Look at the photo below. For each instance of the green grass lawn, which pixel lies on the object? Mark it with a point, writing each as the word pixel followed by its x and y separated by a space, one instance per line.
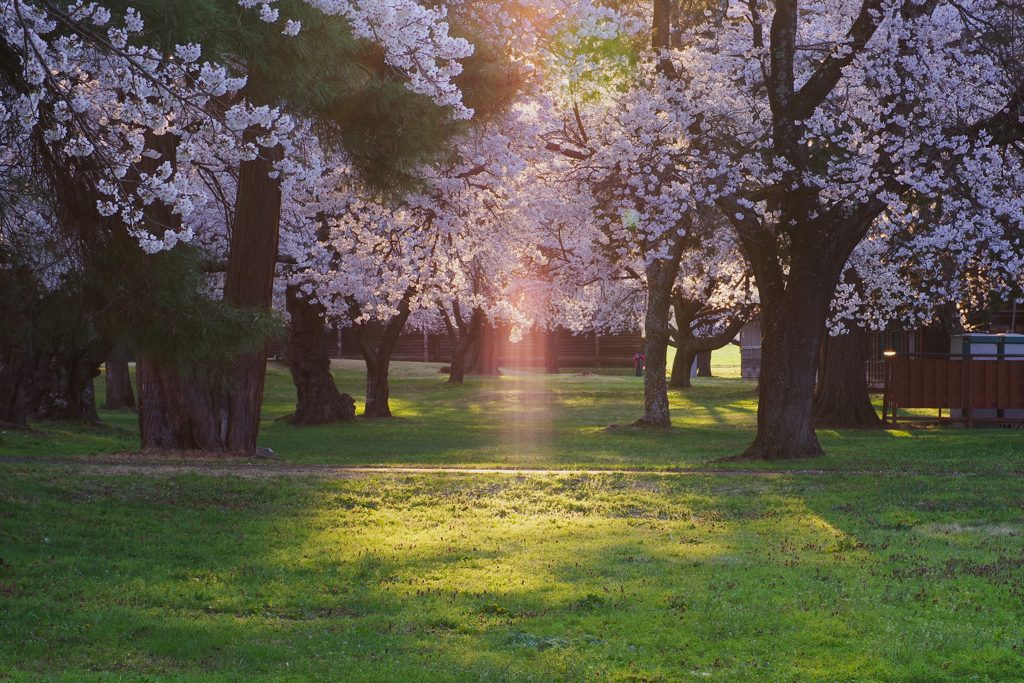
pixel 533 420
pixel 902 561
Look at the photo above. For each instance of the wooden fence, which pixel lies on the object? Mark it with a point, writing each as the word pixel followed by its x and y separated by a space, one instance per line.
pixel 970 389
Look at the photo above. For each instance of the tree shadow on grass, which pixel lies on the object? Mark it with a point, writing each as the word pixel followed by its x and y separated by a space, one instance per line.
pixel 426 577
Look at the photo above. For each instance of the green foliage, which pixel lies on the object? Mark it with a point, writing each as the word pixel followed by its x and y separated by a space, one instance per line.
pixel 591 68
pixel 162 305
pixel 357 102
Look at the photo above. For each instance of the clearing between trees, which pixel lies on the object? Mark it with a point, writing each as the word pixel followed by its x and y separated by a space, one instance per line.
pixel 158 572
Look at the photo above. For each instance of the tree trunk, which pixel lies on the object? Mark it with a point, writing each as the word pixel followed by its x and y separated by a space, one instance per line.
pixel 789 360
pixel 551 361
pixel 457 374
pixel 842 400
pixel 377 389
pixel 661 278
pixel 17 367
pixel 656 350
pixel 690 347
pixel 704 364
pixel 63 387
pixel 250 283
pixel 319 400
pixel 118 379
pixel 378 357
pixel 179 411
pixel 681 369
pixel 486 361
pixel 462 337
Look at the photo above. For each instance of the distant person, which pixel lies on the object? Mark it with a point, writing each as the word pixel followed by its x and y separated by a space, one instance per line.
pixel 638 363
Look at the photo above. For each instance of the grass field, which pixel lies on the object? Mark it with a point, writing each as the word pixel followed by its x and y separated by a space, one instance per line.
pixel 900 558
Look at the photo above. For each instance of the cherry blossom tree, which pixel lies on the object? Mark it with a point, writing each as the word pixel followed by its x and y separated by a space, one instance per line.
pixel 712 299
pixel 803 123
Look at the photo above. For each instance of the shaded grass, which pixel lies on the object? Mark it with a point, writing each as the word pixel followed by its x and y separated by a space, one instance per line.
pixel 119 573
pixel 533 420
pixel 509 578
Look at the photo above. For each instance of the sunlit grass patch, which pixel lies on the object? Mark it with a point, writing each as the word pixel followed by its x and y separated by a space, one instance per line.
pixel 552 577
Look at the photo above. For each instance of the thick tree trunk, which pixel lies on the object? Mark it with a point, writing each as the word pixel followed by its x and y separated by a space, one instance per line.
pixel 704 364
pixel 17 368
pixel 842 400
pixel 793 317
pixel 378 390
pixel 681 366
pixel 789 360
pixel 118 379
pixel 378 357
pixel 63 387
pixel 178 411
pixel 486 357
pixel 319 400
pixel 250 283
pixel 457 374
pixel 656 350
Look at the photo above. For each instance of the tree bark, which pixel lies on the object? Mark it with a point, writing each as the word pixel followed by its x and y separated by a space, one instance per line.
pixel 704 364
pixel 794 309
pixel 457 373
pixel 17 367
pixel 378 357
pixel 681 369
pixel 661 278
pixel 789 359
pixel 252 263
pixel 63 386
pixel 318 398
pixel 842 400
pixel 656 349
pixel 462 337
pixel 118 379
pixel 482 356
pixel 179 411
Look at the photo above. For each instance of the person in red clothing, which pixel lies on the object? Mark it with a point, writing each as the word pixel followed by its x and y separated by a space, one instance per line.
pixel 638 363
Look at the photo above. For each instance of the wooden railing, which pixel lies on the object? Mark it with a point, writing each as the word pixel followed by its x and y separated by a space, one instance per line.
pixel 958 383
